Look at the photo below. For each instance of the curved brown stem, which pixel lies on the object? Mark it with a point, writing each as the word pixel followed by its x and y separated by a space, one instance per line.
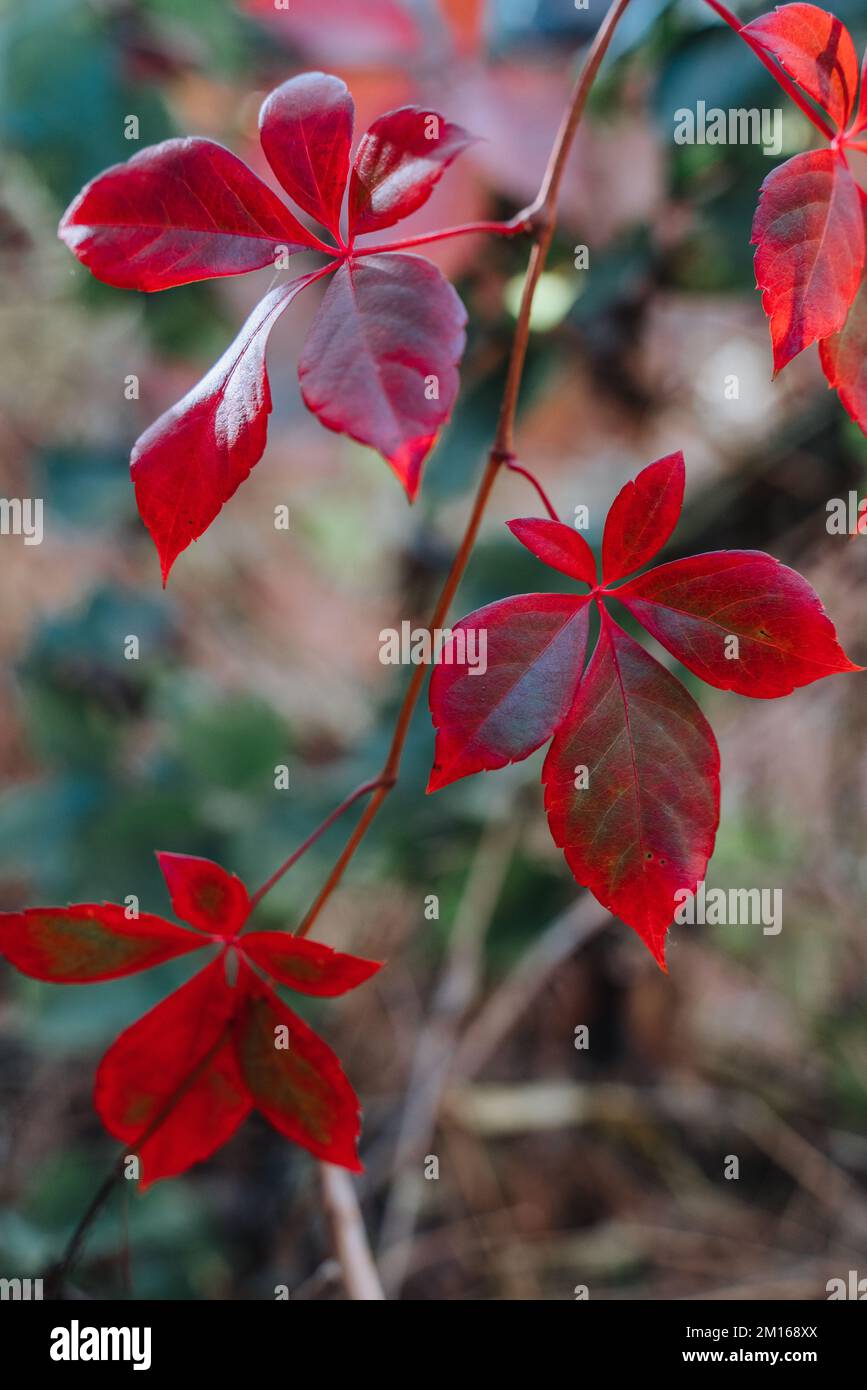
pixel 329 820
pixel 515 227
pixel 55 1277
pixel 514 467
pixel 539 219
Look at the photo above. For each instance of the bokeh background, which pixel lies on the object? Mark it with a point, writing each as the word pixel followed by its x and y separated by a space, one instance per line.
pixel 557 1167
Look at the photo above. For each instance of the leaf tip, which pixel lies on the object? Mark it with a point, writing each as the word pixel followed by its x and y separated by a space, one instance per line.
pixel 656 946
pixel 167 556
pixel 436 781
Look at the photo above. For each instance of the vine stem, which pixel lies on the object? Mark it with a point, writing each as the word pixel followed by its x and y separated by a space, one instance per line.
pixel 56 1275
pixel 515 227
pixel 538 218
pixel 774 69
pixel 515 467
pixel 329 820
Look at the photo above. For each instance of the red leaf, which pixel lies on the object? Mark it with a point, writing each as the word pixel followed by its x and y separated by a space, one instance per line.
pixel 195 456
pixel 861 118
pixel 398 164
pixel 844 360
pixel 844 355
pixel 181 211
pixel 301 1087
pixel 178 1083
pixel 203 894
pixel 380 360
pixel 642 517
pixel 307 966
pixel 557 545
pixel 632 775
pixel 306 131
pixel 784 638
pixel 809 238
pixel 535 651
pixel 170 1086
pixel 644 827
pixel 815 49
pixel 89 942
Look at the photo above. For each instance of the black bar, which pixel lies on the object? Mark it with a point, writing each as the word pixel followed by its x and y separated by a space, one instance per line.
pixel 254 1337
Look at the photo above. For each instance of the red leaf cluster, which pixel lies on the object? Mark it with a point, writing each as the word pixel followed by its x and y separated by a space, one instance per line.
pixel 177 1084
pixel 380 361
pixel 809 228
pixel 632 774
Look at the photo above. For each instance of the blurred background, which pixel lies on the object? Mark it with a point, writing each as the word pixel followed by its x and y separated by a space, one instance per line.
pixel 558 1167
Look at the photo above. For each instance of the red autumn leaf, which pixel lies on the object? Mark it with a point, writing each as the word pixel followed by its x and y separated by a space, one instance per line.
pixel 557 545
pixel 203 894
pixel 488 718
pixel 306 131
pixel 642 517
pixel 181 211
pixel 695 607
pixel 170 1087
pixel 398 164
pixel 632 775
pixel 808 229
pixel 195 456
pixel 644 824
pixel 178 1083
pixel 294 1078
pixel 88 942
pixel 844 354
pixel 380 360
pixel 844 360
pixel 809 237
pixel 308 966
pixel 815 49
pixel 861 116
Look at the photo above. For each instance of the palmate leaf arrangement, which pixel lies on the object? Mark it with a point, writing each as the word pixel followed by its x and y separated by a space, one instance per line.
pixel 631 777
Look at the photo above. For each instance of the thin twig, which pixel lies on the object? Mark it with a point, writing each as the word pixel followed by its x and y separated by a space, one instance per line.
pixel 55 1277
pixel 454 994
pixel 329 820
pixel 514 467
pixel 58 1272
pixel 513 228
pixel 349 1238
